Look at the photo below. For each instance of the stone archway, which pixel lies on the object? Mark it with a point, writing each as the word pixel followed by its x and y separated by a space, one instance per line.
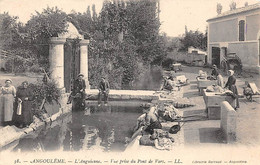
pixel 56 55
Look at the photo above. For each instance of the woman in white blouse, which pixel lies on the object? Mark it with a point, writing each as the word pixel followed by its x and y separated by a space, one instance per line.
pixel 8 93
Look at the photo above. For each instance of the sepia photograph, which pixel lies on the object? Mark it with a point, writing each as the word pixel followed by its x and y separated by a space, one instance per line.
pixel 117 82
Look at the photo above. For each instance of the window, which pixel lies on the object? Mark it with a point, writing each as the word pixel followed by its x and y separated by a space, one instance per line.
pixel 241 30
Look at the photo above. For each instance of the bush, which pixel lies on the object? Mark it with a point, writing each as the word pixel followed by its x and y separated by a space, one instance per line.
pixel 20 60
pixel 149 78
pixel 166 64
pixel 35 68
pixel 16 65
pixel 41 90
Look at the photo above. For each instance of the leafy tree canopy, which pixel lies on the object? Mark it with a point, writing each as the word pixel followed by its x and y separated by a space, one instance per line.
pixel 193 38
pixel 124 37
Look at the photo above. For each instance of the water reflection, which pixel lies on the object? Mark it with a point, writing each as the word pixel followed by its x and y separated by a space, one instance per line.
pixel 95 128
pixel 49 139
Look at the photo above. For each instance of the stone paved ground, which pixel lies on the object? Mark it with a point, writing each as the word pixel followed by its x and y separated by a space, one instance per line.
pixel 206 132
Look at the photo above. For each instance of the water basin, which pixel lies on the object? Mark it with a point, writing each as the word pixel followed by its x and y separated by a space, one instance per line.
pixel 103 128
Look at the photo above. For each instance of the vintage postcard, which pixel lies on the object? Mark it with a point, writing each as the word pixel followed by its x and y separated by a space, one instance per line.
pixel 121 82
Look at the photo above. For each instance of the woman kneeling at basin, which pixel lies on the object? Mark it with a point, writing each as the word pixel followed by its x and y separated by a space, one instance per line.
pixel 151 120
pixel 23 106
pixel 147 122
pixel 168 83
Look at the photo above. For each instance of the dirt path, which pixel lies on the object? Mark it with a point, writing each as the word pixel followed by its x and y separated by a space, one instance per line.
pixel 17 79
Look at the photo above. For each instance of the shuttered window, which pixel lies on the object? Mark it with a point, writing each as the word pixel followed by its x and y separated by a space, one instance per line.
pixel 241 30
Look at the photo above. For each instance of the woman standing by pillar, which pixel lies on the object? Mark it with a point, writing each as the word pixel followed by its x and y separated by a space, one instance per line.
pixel 8 93
pixel 231 85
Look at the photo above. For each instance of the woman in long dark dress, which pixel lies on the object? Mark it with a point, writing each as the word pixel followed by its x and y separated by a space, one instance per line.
pixel 231 85
pixel 24 97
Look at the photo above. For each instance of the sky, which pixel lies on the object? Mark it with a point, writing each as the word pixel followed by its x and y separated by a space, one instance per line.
pixel 174 15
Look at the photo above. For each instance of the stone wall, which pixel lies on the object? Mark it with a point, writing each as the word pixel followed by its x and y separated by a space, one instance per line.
pixel 224 31
pixel 187 57
pixel 12 134
pixel 228 122
pixel 248 53
pixel 253 28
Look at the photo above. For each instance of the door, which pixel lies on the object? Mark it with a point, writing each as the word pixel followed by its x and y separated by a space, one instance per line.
pixel 71 62
pixel 216 56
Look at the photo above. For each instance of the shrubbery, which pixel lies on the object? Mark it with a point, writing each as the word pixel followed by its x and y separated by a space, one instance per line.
pixel 149 78
pixel 123 37
pixel 166 64
pixel 44 91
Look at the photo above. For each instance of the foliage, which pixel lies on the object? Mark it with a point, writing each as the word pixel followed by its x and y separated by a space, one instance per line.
pixel 14 41
pixel 193 38
pixel 149 78
pixel 46 90
pixel 167 63
pixel 83 22
pixel 9 31
pixel 35 68
pixel 49 23
pixel 124 39
pixel 43 90
pixel 144 27
pixel 28 44
pixel 20 60
pixel 172 44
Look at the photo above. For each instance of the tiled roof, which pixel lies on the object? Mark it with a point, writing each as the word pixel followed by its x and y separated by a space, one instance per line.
pixel 236 11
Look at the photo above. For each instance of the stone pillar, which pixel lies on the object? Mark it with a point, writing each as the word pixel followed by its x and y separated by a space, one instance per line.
pixel 84 60
pixel 228 122
pixel 56 58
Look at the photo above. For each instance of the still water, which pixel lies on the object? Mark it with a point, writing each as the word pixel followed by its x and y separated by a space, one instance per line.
pixel 102 128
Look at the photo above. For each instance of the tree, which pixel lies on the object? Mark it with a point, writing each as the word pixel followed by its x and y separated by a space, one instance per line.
pixel 9 31
pixel 94 13
pixel 49 23
pixel 125 35
pixel 14 43
pixel 144 27
pixel 173 44
pixel 195 39
pixel 42 26
pixel 124 38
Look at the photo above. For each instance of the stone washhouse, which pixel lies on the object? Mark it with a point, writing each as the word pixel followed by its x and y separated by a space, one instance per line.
pixel 56 55
pixel 58 68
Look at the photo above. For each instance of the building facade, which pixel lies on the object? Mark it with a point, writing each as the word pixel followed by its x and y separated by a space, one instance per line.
pixel 236 32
